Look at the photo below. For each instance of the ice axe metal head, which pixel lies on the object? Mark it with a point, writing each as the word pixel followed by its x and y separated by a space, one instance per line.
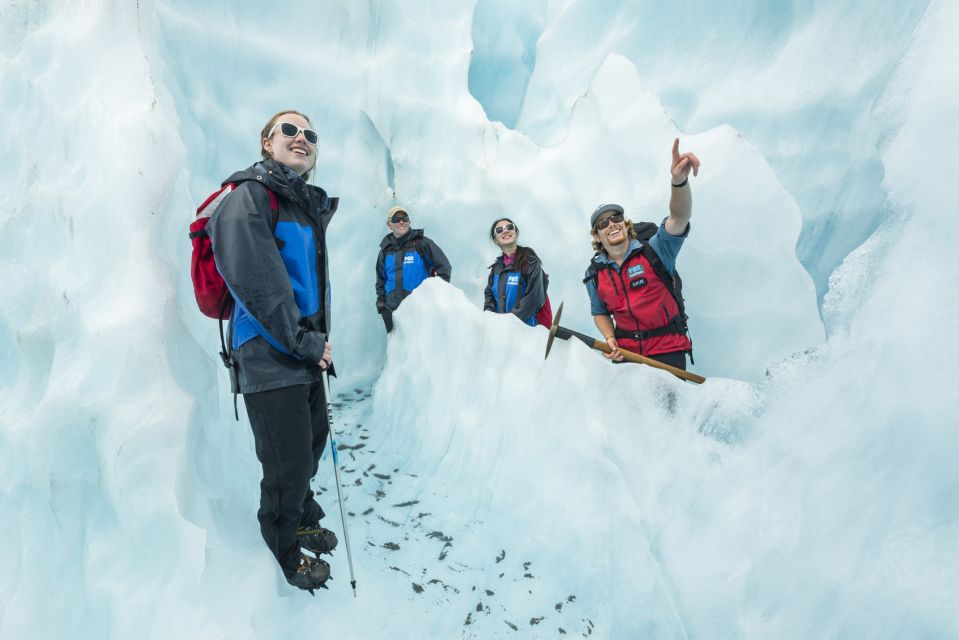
pixel 553 329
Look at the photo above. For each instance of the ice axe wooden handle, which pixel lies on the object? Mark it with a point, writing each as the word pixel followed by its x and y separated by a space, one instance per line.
pixel 556 331
pixel 638 359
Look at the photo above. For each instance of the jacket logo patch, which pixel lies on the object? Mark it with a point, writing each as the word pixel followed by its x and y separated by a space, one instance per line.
pixel 636 284
pixel 408 258
pixel 512 278
pixel 635 270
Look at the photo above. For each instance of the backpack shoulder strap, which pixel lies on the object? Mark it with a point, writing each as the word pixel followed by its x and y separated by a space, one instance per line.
pixel 658 267
pixel 671 280
pixel 592 272
pixel 644 233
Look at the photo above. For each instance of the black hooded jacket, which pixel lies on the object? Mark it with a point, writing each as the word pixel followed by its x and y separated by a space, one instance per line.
pixel 278 274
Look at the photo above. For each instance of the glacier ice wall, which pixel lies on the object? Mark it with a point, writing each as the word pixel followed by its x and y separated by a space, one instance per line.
pixel 504 38
pixel 801 81
pixel 804 491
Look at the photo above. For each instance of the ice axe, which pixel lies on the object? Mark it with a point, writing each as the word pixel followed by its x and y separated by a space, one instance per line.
pixel 563 333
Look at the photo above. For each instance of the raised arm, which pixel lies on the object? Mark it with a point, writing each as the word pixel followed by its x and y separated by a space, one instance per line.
pixel 681 199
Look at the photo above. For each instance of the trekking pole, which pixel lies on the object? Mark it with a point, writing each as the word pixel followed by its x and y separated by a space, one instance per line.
pixel 563 333
pixel 336 472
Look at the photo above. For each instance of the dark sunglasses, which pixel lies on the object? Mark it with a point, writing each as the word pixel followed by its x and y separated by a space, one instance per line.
pixel 290 130
pixel 400 217
pixel 602 224
pixel 499 230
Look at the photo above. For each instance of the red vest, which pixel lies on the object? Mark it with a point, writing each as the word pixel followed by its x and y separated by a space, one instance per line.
pixel 640 301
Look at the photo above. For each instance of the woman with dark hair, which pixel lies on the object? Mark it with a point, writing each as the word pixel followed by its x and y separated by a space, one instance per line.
pixel 516 282
pixel 269 243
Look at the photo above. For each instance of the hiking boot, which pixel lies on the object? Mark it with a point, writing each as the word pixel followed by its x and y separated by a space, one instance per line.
pixel 310 574
pixel 316 539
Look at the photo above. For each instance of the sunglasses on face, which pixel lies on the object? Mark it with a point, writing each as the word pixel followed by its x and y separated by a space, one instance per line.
pixel 290 130
pixel 401 217
pixel 602 224
pixel 499 230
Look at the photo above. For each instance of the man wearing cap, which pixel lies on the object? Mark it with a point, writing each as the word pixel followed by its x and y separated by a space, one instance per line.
pixel 407 257
pixel 630 282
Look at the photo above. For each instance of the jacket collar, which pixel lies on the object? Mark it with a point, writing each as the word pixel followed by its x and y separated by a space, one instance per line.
pixel 603 259
pixel 389 240
pixel 285 182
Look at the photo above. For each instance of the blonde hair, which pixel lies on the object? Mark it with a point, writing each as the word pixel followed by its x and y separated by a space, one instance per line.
pixel 271 124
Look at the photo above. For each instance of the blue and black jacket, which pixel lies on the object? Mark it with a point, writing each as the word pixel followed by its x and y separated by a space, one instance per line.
pixel 403 264
pixel 511 290
pixel 277 271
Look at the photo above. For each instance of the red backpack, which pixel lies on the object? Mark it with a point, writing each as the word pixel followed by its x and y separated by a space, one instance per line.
pixel 212 295
pixel 545 314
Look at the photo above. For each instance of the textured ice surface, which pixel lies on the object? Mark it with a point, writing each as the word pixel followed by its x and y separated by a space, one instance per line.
pixel 802 82
pixel 806 490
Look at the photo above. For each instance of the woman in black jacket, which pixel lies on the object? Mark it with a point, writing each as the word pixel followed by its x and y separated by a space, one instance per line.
pixel 516 281
pixel 269 243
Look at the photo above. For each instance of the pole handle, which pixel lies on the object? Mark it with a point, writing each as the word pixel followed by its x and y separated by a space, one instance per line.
pixel 638 359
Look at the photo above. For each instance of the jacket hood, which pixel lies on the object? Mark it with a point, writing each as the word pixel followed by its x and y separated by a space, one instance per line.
pixel 390 240
pixel 285 182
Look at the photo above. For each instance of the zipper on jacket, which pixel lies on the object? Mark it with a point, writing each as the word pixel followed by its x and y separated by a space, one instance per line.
pixel 322 278
pixel 629 308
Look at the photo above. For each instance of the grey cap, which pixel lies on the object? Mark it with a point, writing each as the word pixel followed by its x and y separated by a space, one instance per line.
pixel 604 208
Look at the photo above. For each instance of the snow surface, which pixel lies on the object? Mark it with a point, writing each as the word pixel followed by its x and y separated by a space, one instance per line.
pixel 806 490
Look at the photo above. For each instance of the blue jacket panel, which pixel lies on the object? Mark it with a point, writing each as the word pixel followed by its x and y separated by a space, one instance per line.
pixel 513 288
pixel 298 252
pixel 414 271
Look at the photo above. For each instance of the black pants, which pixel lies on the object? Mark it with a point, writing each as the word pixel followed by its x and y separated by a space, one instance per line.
pixel 673 358
pixel 290 430
pixel 387 316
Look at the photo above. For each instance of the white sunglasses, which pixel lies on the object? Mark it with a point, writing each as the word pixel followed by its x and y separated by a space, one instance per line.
pixel 290 130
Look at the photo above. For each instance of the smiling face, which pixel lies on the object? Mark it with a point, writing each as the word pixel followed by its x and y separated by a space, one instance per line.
pixel 402 225
pixel 295 153
pixel 614 234
pixel 507 237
